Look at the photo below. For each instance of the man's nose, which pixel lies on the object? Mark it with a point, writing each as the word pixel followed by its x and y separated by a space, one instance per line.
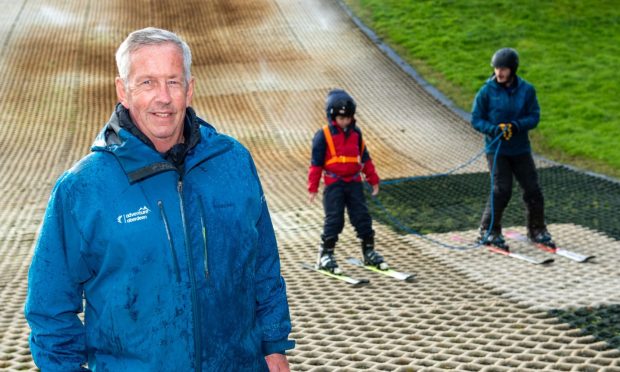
pixel 163 93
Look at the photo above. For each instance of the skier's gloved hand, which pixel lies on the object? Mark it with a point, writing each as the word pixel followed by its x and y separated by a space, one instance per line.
pixel 506 130
pixel 515 127
pixel 497 131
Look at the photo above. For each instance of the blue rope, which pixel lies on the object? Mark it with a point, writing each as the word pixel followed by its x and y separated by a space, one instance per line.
pixel 492 196
pixel 409 230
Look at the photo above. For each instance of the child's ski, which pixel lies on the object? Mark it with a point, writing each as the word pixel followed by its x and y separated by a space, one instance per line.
pixel 523 257
pixel 389 272
pixel 355 282
pixel 559 251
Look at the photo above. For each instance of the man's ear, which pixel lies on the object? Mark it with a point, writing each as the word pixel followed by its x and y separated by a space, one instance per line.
pixel 120 92
pixel 190 92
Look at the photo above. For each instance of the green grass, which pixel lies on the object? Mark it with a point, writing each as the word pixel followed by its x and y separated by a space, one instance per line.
pixel 569 49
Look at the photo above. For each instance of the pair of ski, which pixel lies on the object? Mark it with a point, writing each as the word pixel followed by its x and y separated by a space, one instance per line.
pixel 578 257
pixel 358 282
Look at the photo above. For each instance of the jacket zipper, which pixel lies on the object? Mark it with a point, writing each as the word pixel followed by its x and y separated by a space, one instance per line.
pixel 204 236
pixel 175 260
pixel 192 277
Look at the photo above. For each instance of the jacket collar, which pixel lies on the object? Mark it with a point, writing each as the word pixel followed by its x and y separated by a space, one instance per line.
pixel 137 155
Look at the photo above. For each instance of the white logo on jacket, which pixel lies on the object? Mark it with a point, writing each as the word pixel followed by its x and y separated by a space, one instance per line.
pixel 139 215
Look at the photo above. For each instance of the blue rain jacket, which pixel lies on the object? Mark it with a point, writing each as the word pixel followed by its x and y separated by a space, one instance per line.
pixel 495 104
pixel 178 272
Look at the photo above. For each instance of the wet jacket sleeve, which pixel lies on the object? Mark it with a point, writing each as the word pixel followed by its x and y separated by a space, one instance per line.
pixel 479 115
pixel 54 300
pixel 316 163
pixel 271 301
pixel 530 114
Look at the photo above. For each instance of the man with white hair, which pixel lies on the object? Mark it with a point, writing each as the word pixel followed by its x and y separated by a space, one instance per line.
pixel 163 232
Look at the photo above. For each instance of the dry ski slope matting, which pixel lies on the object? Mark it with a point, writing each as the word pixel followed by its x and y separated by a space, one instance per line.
pixel 263 68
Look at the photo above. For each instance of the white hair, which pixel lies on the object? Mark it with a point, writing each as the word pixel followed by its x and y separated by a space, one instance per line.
pixel 150 36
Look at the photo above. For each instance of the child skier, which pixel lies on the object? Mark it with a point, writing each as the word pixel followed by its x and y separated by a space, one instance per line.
pixel 339 153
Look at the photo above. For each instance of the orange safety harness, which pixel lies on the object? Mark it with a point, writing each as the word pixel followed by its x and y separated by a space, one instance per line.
pixel 332 150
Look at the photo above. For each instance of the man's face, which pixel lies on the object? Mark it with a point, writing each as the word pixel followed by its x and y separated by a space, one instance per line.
pixel 343 121
pixel 502 75
pixel 156 93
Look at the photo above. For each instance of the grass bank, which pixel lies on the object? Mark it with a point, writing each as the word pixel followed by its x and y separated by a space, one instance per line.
pixel 570 51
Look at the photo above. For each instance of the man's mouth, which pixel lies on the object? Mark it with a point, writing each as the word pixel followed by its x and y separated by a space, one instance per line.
pixel 162 114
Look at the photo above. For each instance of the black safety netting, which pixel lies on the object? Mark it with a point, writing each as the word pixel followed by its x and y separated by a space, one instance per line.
pixel 455 202
pixel 601 322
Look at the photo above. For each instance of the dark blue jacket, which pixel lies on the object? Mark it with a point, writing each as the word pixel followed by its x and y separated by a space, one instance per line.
pixel 179 271
pixel 495 104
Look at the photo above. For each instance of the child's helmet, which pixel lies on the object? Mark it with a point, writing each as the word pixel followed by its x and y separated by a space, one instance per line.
pixel 506 57
pixel 339 102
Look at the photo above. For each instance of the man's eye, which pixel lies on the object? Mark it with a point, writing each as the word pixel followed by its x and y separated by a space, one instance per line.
pixel 146 82
pixel 173 82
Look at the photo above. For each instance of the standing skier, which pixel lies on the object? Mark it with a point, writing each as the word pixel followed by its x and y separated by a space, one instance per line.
pixel 507 105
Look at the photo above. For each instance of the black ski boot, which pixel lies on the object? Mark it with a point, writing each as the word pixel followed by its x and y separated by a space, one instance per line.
pixel 541 236
pixel 372 257
pixel 326 260
pixel 494 238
